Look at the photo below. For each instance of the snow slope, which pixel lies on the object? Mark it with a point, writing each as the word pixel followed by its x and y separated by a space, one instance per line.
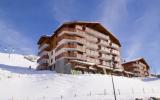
pixel 16 60
pixel 17 82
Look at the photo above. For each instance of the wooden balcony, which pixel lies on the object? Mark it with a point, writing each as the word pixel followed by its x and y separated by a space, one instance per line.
pixel 136 69
pixel 104 63
pixel 115 46
pixel 115 52
pixel 104 43
pixel 91 45
pixel 105 57
pixel 71 31
pixel 104 50
pixel 81 57
pixel 97 34
pixel 43 57
pixel 71 55
pixel 42 66
pixel 92 53
pixel 43 46
pixel 91 38
pixel 80 48
pixel 41 53
pixel 146 73
pixel 117 59
pixel 93 60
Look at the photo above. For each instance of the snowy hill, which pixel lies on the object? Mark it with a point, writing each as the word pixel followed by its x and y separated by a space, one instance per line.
pixel 16 60
pixel 17 82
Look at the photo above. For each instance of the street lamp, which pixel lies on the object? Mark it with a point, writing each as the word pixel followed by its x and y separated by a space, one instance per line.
pixel 114 92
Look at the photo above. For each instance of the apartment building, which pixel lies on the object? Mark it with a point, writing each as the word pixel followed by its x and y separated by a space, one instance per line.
pixel 138 67
pixel 83 47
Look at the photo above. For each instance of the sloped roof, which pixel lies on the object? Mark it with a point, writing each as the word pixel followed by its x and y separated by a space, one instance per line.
pixel 94 25
pixel 138 59
pixel 43 37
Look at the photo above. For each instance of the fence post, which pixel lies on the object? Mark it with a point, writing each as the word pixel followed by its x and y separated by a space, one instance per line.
pixel 119 91
pixel 152 90
pixel 43 97
pixel 105 92
pixel 75 95
pixel 90 93
pixel 133 93
pixel 143 91
pixel 61 97
pixel 27 98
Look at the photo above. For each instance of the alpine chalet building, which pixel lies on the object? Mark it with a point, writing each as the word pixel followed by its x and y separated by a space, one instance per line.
pixel 138 67
pixel 80 47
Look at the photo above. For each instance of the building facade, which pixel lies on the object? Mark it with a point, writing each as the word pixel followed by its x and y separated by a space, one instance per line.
pixel 80 47
pixel 138 67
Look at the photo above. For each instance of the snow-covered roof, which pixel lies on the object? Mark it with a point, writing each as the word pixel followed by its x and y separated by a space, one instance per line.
pixel 138 59
pixel 133 60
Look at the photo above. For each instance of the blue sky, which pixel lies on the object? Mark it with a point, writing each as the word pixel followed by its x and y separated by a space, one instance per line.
pixel 136 23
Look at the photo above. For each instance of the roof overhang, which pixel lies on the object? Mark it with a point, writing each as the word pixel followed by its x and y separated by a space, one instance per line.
pixel 94 25
pixel 42 38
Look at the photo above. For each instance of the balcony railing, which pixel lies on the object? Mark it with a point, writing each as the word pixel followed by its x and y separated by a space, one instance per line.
pixel 136 65
pixel 117 59
pixel 41 53
pixel 115 46
pixel 137 74
pixel 91 38
pixel 81 48
pixel 92 60
pixel 146 73
pixel 42 47
pixel 81 57
pixel 97 61
pixel 42 66
pixel 105 63
pixel 115 52
pixel 106 57
pixel 91 45
pixel 43 57
pixel 42 61
pixel 104 43
pixel 97 34
pixel 118 66
pixel 71 31
pixel 142 64
pixel 136 69
pixel 71 55
pixel 104 49
pixel 92 53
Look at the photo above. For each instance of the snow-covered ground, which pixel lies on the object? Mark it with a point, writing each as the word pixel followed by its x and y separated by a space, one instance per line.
pixel 17 82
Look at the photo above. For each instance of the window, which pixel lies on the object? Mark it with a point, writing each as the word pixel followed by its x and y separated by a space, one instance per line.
pixel 51 60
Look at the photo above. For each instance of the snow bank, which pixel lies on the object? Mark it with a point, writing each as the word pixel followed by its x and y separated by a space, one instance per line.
pixel 75 87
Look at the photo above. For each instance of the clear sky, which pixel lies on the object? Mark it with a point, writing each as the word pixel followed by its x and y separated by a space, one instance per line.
pixel 136 23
